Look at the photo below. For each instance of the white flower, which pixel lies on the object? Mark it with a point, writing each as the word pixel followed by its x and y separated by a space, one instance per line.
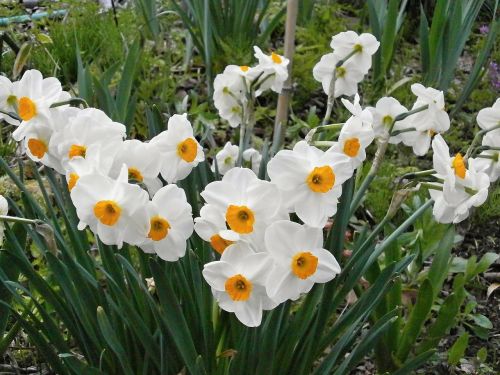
pixel 365 46
pixel 97 162
pixel 299 260
pixel 36 144
pixel 226 158
pixel 434 118
pixel 88 131
pixel 4 210
pixel 311 180
pixel 229 93
pixel 492 138
pixel 143 162
pixel 489 163
pixel 113 209
pixel 384 114
pixel 347 76
pixel 247 203
pixel 8 101
pixel 254 157
pixel 274 68
pixel 488 118
pixel 170 223
pixel 462 187
pixel 356 110
pixel 180 151
pixel 354 138
pixel 34 96
pixel 238 283
pixel 211 227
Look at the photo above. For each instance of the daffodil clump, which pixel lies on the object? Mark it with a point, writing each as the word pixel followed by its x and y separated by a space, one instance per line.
pixel 262 257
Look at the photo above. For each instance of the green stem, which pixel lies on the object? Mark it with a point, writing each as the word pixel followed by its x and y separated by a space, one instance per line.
pixel 429 185
pixel 11 114
pixel 397 132
pixel 323 143
pixel 74 102
pixel 15 219
pixel 476 139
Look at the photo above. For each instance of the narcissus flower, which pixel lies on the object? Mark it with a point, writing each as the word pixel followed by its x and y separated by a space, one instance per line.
pixel 238 283
pixel 211 227
pixel 97 162
pixel 299 260
pixel 170 223
pixel 462 189
pixel 384 113
pixel 113 209
pixel 89 130
pixel 8 101
pixel 36 143
pixel 226 158
pixel 356 110
pixel 488 118
pixel 34 95
pixel 247 203
pixel 254 157
pixel 229 94
pixel 428 122
pixel 347 76
pixel 354 138
pixel 143 163
pixel 364 46
pixel 311 181
pixel 180 152
pixel 274 70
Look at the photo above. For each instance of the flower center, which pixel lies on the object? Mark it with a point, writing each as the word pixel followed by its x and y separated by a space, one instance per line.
pixel 387 120
pixel 108 212
pixel 276 58
pixel 321 179
pixel 27 108
pixel 219 244
pixel 358 48
pixel 77 150
pixel 244 68
pixel 228 160
pixel 351 147
pixel 340 71
pixel 135 174
pixel 37 147
pixel 304 264
pixel 458 165
pixel 159 228
pixel 240 219
pixel 236 109
pixel 238 287
pixel 187 150
pixel 73 179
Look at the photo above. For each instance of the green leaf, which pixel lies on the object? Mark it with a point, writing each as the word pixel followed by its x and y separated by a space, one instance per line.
pixel 418 316
pixel 443 323
pixel 482 354
pixel 482 321
pixel 21 59
pixel 124 89
pixel 414 363
pixel 486 261
pixel 457 351
pixel 441 262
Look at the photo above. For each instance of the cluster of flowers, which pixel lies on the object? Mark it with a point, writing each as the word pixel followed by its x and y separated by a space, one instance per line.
pixel 231 88
pixel 266 258
pixel 114 182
